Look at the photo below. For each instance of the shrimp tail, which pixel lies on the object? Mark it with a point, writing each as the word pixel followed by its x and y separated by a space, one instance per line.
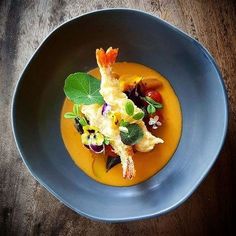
pixel 128 169
pixel 106 59
pixel 128 164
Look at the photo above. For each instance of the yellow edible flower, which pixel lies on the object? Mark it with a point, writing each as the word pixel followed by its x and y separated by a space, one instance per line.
pixel 91 135
pixel 114 116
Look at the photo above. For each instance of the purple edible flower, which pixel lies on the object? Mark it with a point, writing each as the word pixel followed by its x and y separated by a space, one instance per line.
pixel 106 109
pixel 97 148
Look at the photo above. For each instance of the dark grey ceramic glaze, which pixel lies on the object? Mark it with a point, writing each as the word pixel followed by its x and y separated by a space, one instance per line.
pixel 144 39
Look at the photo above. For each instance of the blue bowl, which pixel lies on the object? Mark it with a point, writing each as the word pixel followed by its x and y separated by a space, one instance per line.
pixel 141 38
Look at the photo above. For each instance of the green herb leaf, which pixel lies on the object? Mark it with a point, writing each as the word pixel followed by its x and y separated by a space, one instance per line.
pixel 106 140
pixel 138 116
pixel 154 103
pixel 83 121
pixel 82 88
pixel 134 135
pixel 76 109
pixel 70 115
pixel 151 109
pixel 123 123
pixel 158 106
pixel 129 108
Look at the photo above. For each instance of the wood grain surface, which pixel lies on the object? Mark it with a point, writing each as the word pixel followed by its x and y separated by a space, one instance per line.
pixel 26 208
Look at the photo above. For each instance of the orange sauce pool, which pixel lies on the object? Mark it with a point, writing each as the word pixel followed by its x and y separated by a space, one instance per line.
pixel 146 164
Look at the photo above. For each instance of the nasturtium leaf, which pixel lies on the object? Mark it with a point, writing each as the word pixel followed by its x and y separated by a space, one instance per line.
pixel 134 135
pixel 129 108
pixel 82 88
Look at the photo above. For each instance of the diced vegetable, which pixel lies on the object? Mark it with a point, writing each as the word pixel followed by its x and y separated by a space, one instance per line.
pixel 112 161
pixel 154 94
pixel 135 95
pixel 78 126
pixel 150 83
pixel 109 151
pixel 129 81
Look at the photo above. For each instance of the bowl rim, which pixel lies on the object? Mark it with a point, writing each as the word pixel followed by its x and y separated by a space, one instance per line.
pixel 200 179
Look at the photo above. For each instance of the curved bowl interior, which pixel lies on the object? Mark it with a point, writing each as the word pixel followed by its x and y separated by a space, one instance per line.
pixel 144 39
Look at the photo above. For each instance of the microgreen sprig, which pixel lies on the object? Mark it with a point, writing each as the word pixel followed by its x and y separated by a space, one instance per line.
pixel 106 140
pixel 75 114
pixel 138 116
pixel 152 105
pixel 123 123
pixel 129 108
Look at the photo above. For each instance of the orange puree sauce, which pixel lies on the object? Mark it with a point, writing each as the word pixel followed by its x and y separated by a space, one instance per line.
pixel 146 164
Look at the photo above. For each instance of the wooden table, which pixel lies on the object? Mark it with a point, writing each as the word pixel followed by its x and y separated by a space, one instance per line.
pixel 26 208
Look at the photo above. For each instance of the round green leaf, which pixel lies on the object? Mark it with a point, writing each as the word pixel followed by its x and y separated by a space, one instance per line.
pixel 129 108
pixel 82 88
pixel 134 135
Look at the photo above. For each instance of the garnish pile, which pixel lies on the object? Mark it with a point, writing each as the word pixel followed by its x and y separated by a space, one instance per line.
pixel 142 93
